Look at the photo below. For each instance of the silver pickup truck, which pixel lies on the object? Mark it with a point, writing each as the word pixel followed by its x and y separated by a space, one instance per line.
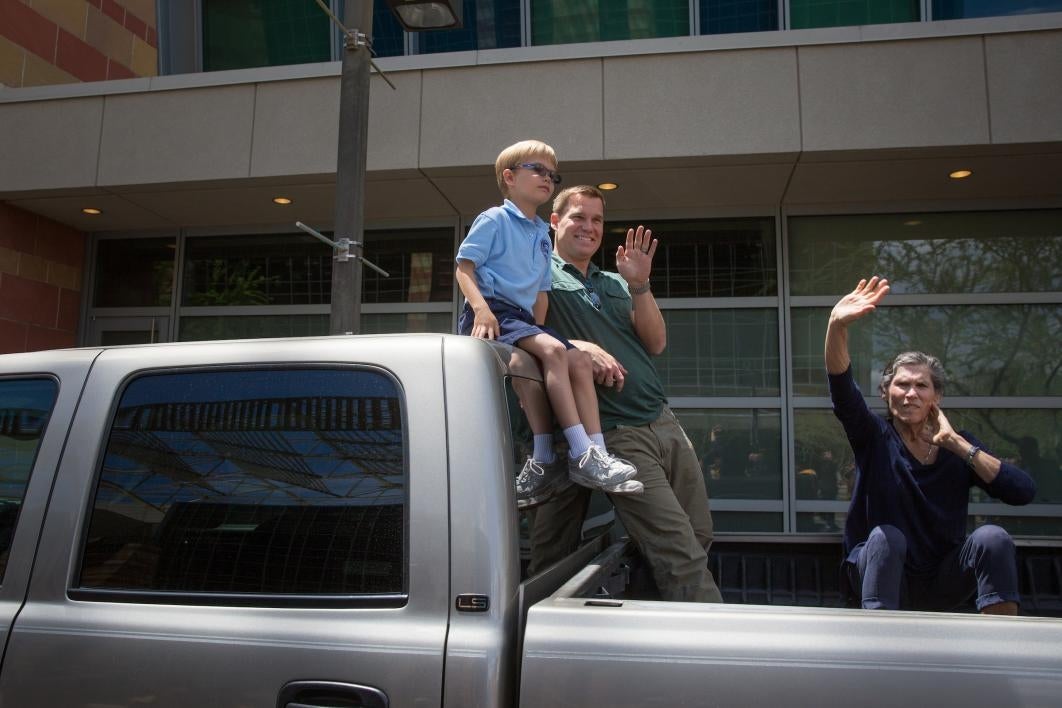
pixel 331 522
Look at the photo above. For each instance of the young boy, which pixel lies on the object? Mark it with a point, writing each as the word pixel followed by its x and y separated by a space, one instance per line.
pixel 503 270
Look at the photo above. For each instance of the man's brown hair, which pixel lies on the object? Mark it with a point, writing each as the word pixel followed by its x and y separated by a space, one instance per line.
pixel 560 202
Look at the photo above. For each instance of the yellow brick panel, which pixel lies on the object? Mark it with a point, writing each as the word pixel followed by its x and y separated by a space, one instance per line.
pixel 143 9
pixel 11 58
pixel 63 276
pixel 109 37
pixel 68 14
pixel 145 58
pixel 32 267
pixel 8 261
pixel 40 73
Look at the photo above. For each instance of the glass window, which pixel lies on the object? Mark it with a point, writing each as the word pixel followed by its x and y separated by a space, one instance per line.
pixel 740 451
pixel 720 353
pixel 724 16
pixel 487 24
pixel 197 329
pixel 296 269
pixel 954 9
pixel 825 464
pixel 747 522
pixel 999 252
pixel 987 350
pixel 1020 526
pixel 717 258
pixel 566 21
pixel 838 13
pixel 274 269
pixel 388 37
pixel 134 272
pixel 389 322
pixel 266 481
pixel 239 34
pixel 1029 438
pixel 420 263
pixel 25 406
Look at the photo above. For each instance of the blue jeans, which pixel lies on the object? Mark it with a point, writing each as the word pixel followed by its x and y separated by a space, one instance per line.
pixel 985 563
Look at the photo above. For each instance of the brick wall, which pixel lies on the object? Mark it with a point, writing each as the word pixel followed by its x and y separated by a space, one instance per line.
pixel 67 41
pixel 41 263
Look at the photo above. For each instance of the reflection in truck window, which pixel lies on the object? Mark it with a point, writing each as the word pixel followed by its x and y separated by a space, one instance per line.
pixel 278 481
pixel 25 405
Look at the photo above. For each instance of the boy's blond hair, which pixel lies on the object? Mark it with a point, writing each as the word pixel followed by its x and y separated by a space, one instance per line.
pixel 523 151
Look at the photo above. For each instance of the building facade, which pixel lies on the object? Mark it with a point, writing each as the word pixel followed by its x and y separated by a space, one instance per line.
pixel 779 149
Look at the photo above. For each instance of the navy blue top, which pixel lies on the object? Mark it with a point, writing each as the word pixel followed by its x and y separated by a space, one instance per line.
pixel 927 503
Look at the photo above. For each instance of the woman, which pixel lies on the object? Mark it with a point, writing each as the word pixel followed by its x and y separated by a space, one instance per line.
pixel 905 536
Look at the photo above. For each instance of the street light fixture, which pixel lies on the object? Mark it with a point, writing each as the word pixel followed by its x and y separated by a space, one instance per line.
pixel 417 15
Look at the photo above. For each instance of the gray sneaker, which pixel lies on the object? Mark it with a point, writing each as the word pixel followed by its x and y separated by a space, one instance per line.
pixel 538 481
pixel 597 469
pixel 631 486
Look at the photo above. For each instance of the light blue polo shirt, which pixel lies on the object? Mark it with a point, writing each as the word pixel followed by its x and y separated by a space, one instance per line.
pixel 511 254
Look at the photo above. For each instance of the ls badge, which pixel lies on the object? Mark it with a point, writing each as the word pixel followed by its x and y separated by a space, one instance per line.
pixel 472 603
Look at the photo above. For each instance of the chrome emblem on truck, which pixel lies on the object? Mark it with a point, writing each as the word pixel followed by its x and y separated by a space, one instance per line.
pixel 472 603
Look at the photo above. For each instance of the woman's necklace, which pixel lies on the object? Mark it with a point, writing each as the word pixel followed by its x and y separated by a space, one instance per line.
pixel 924 459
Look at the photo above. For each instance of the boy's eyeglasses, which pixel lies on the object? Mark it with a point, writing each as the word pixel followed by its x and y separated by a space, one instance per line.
pixel 540 170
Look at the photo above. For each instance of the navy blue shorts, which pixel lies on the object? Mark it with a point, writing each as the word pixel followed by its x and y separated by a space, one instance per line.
pixel 514 323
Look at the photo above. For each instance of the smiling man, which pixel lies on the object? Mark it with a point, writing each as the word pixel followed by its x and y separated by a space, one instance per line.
pixel 905 534
pixel 614 317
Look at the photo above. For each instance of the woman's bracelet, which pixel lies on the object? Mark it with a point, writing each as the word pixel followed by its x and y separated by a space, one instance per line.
pixel 640 289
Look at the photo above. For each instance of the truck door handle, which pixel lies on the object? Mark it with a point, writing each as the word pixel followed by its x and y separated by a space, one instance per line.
pixel 330 694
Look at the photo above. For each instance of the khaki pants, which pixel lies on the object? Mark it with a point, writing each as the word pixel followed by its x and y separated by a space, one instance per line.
pixel 671 522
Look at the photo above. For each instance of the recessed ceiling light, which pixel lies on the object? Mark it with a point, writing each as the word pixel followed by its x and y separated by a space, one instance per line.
pixel 91 211
pixel 960 174
pixel 607 186
pixel 912 222
pixel 283 201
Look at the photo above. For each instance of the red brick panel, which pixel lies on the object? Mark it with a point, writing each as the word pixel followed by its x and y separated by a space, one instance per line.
pixel 12 336
pixel 136 25
pixel 30 301
pixel 80 59
pixel 113 10
pixel 39 338
pixel 28 28
pixel 18 228
pixel 60 243
pixel 117 71
pixel 69 310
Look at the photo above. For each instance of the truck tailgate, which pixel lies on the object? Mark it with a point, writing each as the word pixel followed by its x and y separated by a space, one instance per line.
pixel 580 651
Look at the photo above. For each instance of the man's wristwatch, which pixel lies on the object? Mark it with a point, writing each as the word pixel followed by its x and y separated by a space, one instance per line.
pixel 640 289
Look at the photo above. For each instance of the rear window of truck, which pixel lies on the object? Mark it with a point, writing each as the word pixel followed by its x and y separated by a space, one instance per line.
pixel 265 482
pixel 25 406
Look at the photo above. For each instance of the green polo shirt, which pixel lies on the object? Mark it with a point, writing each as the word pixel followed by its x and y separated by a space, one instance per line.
pixel 573 314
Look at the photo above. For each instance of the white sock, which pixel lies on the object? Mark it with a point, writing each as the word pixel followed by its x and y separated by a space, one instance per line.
pixel 599 440
pixel 544 448
pixel 578 441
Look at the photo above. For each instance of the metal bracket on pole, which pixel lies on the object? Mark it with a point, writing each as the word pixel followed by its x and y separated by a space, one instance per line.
pixel 352 39
pixel 341 248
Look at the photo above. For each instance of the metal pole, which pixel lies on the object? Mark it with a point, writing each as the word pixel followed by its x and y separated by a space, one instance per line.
pixel 350 169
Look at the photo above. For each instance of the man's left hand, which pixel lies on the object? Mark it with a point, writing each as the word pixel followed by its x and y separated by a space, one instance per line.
pixel 634 259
